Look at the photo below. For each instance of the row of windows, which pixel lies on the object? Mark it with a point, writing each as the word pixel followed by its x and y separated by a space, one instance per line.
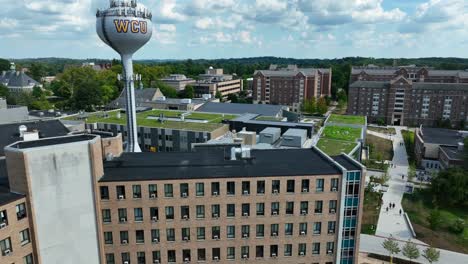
pixel 243 252
pixel 6 247
pixel 230 209
pixel 20 214
pixel 243 231
pixel 184 190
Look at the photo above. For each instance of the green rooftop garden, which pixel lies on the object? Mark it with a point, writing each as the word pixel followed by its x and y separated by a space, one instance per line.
pixel 335 147
pixel 347 119
pixel 341 133
pixel 150 119
pixel 337 139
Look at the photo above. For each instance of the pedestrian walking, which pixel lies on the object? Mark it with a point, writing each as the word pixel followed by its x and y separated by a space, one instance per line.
pixel 400 211
pixel 387 209
pixel 403 177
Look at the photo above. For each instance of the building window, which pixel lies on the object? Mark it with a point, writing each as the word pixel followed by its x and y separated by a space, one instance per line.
pixel 330 247
pixel 289 208
pixel 215 232
pixel 302 249
pixel 334 184
pixel 155 235
pixel 231 210
pixel 169 212
pixel 260 209
pixel 21 211
pixel 138 214
pixel 104 190
pixel 245 209
pixel 108 240
pixel 275 208
pixel 317 228
pixel 200 189
pixel 24 236
pixel 231 188
pixel 122 215
pixel 156 256
pixel 168 190
pixel 245 231
pixel 140 236
pixel 274 230
pixel 136 191
pixel 319 185
pixel 184 190
pixel 125 257
pixel 260 230
pixel 200 211
pixel 290 186
pixel 200 233
pixel 215 210
pixel 141 259
pixel 110 259
pixel 304 207
pixel 201 254
pixel 153 191
pixel 288 250
pixel 259 251
pixel 273 250
pixel 245 187
pixel 216 253
pixel 302 229
pixel 123 237
pixel 231 231
pixel 5 246
pixel 185 234
pixel 315 248
pixel 170 234
pixel 331 227
pixel 215 189
pixel 120 192
pixel 275 186
pixel 288 229
pixel 332 206
pixel 186 255
pixel 318 207
pixel 260 187
pixel 305 185
pixel 106 215
pixel 245 252
pixel 185 212
pixel 171 256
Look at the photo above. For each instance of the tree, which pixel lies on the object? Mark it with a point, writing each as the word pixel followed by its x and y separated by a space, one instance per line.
pixel 37 71
pixel 410 250
pixel 4 91
pixel 391 246
pixel 431 254
pixel 233 98
pixel 411 172
pixel 4 65
pixel 188 92
pixel 453 181
pixel 310 105
pixel 37 92
pixel 465 148
pixel 322 106
pixel 219 96
pixel 434 219
pixel 167 90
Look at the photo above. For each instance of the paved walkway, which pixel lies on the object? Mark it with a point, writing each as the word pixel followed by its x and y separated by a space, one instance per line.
pixel 373 244
pixel 391 222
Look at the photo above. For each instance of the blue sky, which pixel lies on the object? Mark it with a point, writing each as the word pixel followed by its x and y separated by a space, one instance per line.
pixel 245 28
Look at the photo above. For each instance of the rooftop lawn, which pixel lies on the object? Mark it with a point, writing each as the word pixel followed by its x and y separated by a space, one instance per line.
pixel 142 120
pixel 341 133
pixel 347 119
pixel 335 147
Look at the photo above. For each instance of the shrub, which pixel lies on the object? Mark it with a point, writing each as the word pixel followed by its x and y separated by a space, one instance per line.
pixel 457 226
pixel 434 219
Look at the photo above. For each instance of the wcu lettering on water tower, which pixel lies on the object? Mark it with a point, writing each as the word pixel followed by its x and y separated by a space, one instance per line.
pixel 122 26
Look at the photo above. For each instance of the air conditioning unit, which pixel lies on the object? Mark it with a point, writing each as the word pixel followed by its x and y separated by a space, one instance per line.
pixel 329 251
pixel 246 192
pixel 302 253
pixel 154 218
pixel 123 219
pixel 156 261
pixel 155 240
pixel 275 212
pixel 332 211
pixel 185 217
pixel 305 190
pixel 2 225
pixel 126 262
pixel 274 234
pixel 216 237
pixel 303 233
pixel 7 252
pixel 215 193
pixel 186 239
pixel 273 255
pixel 153 195
pixel 124 242
pixel 331 231
pixel 215 215
pixel 245 235
pixel 275 191
pixel 245 256
pixel 121 197
pixel 216 258
pixel 303 212
pixel 246 214
pixel 334 189
pixel 187 260
pixel 184 195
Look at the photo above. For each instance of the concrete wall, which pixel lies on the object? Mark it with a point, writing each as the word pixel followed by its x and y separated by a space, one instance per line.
pixel 61 186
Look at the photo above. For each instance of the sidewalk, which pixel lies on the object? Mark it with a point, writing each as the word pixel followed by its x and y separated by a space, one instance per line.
pixel 391 222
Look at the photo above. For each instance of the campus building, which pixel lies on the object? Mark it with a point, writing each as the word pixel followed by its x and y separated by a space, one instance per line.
pixel 290 86
pixel 18 81
pixel 215 81
pixel 178 81
pixel 409 95
pixel 211 205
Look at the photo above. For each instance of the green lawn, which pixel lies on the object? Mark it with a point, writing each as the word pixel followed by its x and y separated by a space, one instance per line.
pixel 142 120
pixel 371 212
pixel 379 148
pixel 382 130
pixel 335 147
pixel 347 119
pixel 418 207
pixel 341 133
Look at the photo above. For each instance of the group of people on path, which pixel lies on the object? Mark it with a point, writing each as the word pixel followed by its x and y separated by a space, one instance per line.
pixel 392 206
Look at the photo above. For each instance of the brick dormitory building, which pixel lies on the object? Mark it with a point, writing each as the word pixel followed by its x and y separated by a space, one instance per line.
pixel 409 95
pixel 81 200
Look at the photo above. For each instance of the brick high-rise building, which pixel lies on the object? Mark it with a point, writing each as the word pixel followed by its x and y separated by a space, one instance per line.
pixel 409 95
pixel 84 204
pixel 290 86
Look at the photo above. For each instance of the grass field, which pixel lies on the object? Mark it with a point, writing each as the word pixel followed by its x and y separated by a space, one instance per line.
pixel 142 120
pixel 371 212
pixel 341 133
pixel 418 207
pixel 335 147
pixel 347 119
pixel 379 148
pixel 382 130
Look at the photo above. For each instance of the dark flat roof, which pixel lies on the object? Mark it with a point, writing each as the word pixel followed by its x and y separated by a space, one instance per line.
pixel 51 141
pixel 441 136
pixel 453 153
pixel 9 133
pixel 238 109
pixel 211 163
pixel 345 161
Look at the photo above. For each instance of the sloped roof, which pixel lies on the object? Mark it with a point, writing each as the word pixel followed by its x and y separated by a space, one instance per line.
pixel 238 109
pixel 141 96
pixel 17 79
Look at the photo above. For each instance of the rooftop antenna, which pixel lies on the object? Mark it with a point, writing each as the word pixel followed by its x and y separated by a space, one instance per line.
pixel 126 32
